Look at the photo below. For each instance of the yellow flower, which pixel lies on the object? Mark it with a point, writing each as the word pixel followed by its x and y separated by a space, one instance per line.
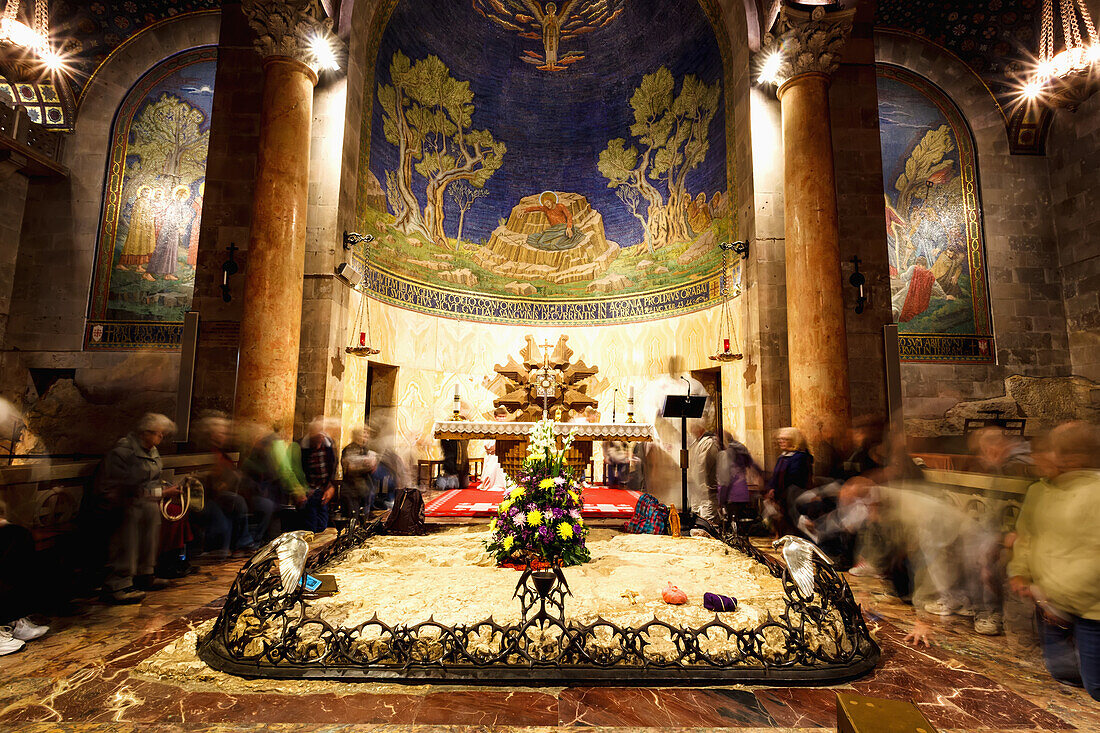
pixel 534 518
pixel 505 505
pixel 573 496
pixel 546 483
pixel 517 492
pixel 565 530
pixel 493 525
pixel 508 542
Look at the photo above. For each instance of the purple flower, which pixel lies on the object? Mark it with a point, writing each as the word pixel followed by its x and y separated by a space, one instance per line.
pixel 575 513
pixel 544 532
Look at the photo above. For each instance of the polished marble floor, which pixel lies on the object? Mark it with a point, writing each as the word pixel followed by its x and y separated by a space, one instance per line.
pixel 81 677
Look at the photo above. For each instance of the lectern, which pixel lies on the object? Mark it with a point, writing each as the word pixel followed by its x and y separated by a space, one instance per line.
pixel 683 407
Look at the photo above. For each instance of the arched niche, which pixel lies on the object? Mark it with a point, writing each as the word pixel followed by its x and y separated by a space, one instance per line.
pixel 935 235
pixel 152 205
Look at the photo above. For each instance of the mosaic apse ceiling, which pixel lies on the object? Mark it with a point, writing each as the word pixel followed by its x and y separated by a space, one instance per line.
pixel 552 162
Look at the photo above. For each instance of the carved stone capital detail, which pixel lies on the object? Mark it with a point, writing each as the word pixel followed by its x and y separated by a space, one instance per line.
pixel 286 27
pixel 810 42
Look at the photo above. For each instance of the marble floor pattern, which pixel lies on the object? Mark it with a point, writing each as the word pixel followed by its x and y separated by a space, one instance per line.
pixel 80 678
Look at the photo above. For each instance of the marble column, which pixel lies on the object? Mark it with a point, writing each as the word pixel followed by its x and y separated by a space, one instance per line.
pixel 267 370
pixel 817 344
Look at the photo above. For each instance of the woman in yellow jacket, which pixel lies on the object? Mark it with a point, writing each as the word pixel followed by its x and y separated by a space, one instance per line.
pixel 1056 556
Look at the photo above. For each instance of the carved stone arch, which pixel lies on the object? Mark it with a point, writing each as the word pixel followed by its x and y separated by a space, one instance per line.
pixel 88 150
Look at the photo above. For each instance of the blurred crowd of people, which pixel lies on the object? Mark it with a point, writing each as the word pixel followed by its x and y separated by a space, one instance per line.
pixel 148 530
pixel 868 506
pixel 138 527
pixel 862 499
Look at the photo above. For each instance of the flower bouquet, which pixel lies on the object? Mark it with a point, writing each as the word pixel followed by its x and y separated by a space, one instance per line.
pixel 540 521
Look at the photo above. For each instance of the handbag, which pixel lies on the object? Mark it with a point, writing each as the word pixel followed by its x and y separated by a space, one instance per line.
pixel 192 497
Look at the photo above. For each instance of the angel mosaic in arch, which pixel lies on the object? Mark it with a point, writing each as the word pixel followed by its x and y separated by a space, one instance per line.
pixel 149 233
pixel 550 23
pixel 939 292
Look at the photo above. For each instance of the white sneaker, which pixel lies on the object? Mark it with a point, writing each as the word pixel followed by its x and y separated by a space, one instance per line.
pixel 9 643
pixel 864 570
pixel 941 608
pixel 25 630
pixel 989 623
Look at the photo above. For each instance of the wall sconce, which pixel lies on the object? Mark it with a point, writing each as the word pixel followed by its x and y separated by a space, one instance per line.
pixel 741 248
pixel 858 281
pixel 229 267
pixel 353 238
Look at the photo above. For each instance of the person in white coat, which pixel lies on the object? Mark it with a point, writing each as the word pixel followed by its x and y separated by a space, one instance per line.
pixel 492 475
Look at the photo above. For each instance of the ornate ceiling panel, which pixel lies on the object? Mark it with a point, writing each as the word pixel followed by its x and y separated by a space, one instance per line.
pixel 97 28
pixel 994 37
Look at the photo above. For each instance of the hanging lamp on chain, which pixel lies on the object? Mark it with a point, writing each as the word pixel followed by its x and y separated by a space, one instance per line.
pixel 25 39
pixel 360 342
pixel 728 348
pixel 15 32
pixel 1069 52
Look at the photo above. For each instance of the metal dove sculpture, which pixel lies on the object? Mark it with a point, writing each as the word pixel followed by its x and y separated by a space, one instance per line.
pixel 290 549
pixel 798 554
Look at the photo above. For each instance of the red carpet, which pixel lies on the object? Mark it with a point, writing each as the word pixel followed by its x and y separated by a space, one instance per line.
pixel 599 502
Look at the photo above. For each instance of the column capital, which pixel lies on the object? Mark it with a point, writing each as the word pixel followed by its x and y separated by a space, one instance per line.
pixel 809 42
pixel 286 28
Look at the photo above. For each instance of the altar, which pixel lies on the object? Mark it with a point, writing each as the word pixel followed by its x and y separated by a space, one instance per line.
pixel 512 438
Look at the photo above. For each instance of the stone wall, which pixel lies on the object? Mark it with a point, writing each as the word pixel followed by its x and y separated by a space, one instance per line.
pixel 13 198
pixel 854 118
pixel 1073 152
pixel 227 210
pixel 1025 285
pixel 765 296
pixel 334 166
pixel 324 297
pixel 743 381
pixel 54 266
pixel 853 109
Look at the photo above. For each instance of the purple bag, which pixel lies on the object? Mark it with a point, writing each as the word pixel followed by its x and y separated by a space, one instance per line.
pixel 715 602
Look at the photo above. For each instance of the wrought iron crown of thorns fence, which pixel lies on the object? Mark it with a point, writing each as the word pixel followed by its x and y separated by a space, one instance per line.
pixel 262 632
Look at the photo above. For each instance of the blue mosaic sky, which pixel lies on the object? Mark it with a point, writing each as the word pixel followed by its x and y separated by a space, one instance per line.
pixel 905 115
pixel 554 124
